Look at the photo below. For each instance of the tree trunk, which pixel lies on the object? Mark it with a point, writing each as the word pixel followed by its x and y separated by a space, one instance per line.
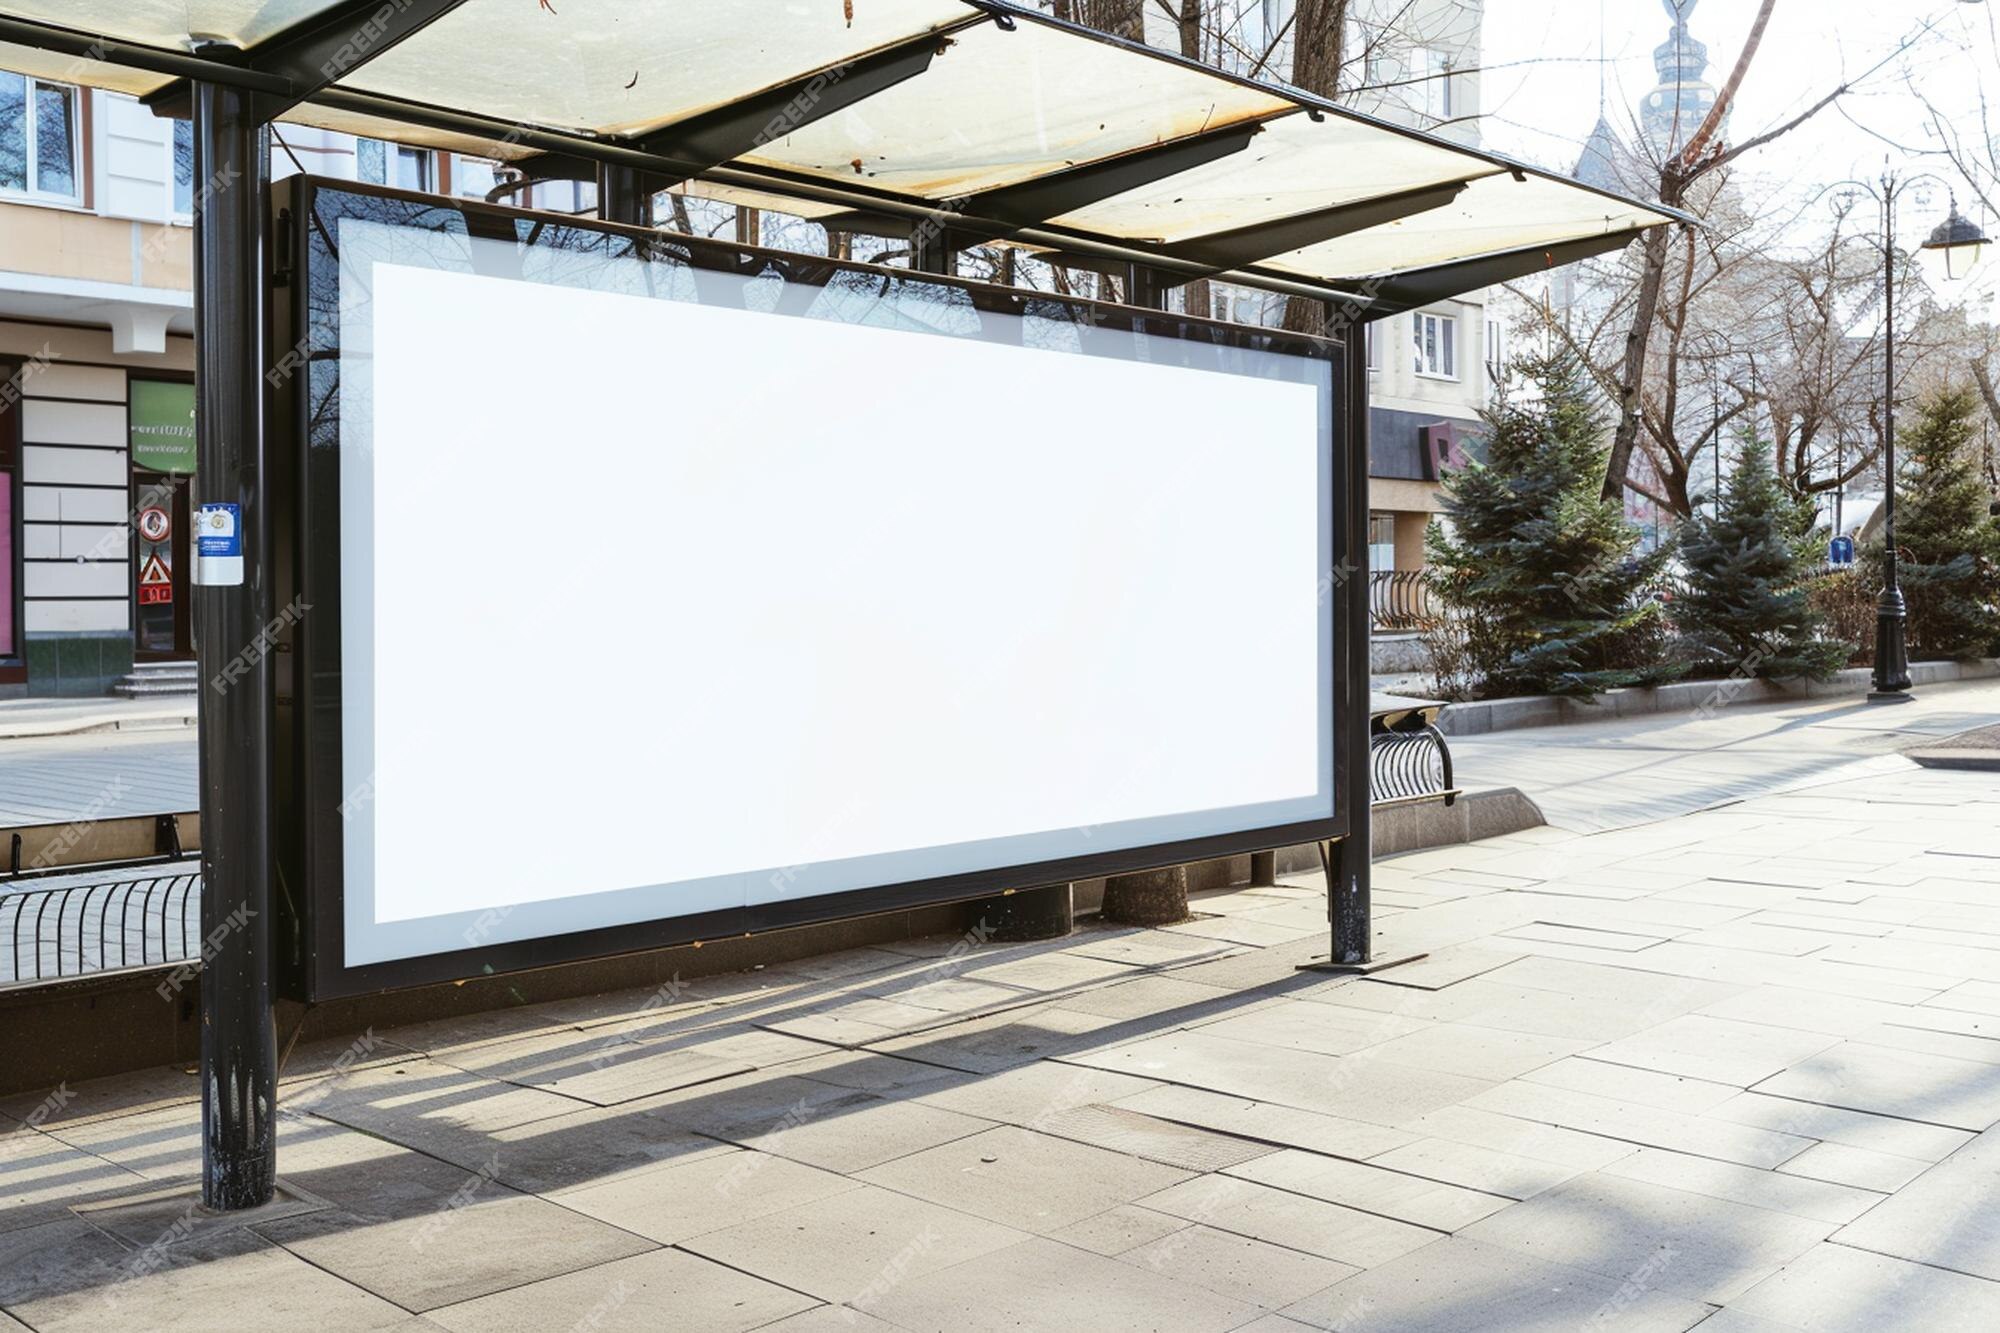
pixel 1632 376
pixel 1319 37
pixel 1149 898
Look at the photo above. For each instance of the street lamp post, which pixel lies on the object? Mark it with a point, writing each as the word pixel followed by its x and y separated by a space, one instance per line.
pixel 1955 238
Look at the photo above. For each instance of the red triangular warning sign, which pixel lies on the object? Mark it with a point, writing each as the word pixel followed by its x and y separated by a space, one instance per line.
pixel 154 571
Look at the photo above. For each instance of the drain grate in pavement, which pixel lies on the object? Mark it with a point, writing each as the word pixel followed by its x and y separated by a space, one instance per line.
pixel 1139 1135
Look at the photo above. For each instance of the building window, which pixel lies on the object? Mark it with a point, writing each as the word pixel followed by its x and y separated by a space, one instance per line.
pixel 473 177
pixel 1496 351
pixel 1374 345
pixel 1436 346
pixel 380 163
pixel 1381 542
pixel 183 151
pixel 39 139
pixel 1430 71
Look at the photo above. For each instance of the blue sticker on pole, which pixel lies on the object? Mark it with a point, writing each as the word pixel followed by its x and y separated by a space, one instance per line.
pixel 218 545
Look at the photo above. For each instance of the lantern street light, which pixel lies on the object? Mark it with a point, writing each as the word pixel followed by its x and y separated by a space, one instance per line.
pixel 1959 241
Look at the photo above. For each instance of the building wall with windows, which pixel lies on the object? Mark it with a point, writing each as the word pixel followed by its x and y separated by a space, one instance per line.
pixel 97 197
pixel 1420 66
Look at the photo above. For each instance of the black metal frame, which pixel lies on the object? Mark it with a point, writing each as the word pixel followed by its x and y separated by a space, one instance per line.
pixel 313 786
pixel 10 478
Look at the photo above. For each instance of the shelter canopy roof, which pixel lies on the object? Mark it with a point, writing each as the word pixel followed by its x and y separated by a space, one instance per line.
pixel 995 120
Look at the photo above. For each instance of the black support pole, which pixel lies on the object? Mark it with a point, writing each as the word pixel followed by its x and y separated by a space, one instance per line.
pixel 1348 879
pixel 620 197
pixel 232 606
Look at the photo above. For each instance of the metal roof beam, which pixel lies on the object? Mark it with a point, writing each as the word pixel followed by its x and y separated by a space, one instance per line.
pixel 1032 202
pixel 1240 247
pixel 729 131
pixel 311 56
pixel 1421 287
pixel 43 36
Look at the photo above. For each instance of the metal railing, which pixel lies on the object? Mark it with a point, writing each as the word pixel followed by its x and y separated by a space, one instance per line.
pixel 94 895
pixel 1399 599
pixel 68 929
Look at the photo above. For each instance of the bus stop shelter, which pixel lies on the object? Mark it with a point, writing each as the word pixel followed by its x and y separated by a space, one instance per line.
pixel 950 122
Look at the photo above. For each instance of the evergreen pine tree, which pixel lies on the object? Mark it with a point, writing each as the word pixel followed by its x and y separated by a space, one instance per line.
pixel 1949 560
pixel 1545 575
pixel 1747 602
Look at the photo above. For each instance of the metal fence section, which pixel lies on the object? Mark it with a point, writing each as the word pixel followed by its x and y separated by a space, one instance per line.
pixel 93 895
pixel 1399 600
pixel 94 924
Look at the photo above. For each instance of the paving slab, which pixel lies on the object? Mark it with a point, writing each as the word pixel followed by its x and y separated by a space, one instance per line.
pixel 1718 1050
pixel 685 1200
pixel 66 1277
pixel 1475 1052
pixel 1778 1190
pixel 1357 1089
pixel 1014 1176
pixel 1489 1170
pixel 1702 1248
pixel 1018 1287
pixel 1237 1267
pixel 1266 1122
pixel 1934 1089
pixel 1373 1189
pixel 1839 1289
pixel 1832 1124
pixel 1117 1230
pixel 834 1247
pixel 659 1289
pixel 1295 1221
pixel 41 1176
pixel 1948 1217
pixel 1668 1092
pixel 1457 1283
pixel 1646 1125
pixel 1860 1167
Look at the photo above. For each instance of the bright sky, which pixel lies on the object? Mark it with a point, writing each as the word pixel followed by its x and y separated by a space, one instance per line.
pixel 1541 88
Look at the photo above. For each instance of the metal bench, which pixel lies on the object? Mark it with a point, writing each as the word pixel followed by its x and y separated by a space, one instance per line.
pixel 1410 759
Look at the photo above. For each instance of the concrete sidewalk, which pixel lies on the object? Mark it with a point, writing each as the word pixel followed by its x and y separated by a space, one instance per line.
pixel 1623 772
pixel 42 718
pixel 1732 1068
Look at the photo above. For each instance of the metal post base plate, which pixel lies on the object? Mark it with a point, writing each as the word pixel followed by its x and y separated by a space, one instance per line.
pixel 1360 969
pixel 1891 697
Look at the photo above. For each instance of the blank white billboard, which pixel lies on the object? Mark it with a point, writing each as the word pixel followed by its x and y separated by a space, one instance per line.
pixel 654 603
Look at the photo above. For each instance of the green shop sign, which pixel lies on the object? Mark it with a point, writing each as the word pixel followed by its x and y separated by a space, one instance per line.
pixel 162 425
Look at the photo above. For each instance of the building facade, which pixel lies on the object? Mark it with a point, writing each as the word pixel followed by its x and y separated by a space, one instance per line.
pixel 1431 371
pixel 97 460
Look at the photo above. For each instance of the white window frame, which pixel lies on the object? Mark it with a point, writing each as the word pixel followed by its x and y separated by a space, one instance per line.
pixel 392 158
pixel 31 138
pixel 1374 346
pixel 1440 360
pixel 1496 350
pixel 1434 91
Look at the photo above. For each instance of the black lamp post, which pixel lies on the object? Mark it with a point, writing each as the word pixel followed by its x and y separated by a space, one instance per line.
pixel 1957 238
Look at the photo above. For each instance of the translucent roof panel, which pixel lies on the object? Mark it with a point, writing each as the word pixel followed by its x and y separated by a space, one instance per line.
pixel 174 24
pixel 627 66
pixel 1296 165
pixel 1010 97
pixel 1002 107
pixel 1495 214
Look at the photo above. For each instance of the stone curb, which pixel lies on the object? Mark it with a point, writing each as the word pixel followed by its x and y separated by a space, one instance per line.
pixel 1542 710
pixel 94 723
pixel 1966 759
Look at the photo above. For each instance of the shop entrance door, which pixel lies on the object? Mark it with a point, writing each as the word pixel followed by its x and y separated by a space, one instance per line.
pixel 162 620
